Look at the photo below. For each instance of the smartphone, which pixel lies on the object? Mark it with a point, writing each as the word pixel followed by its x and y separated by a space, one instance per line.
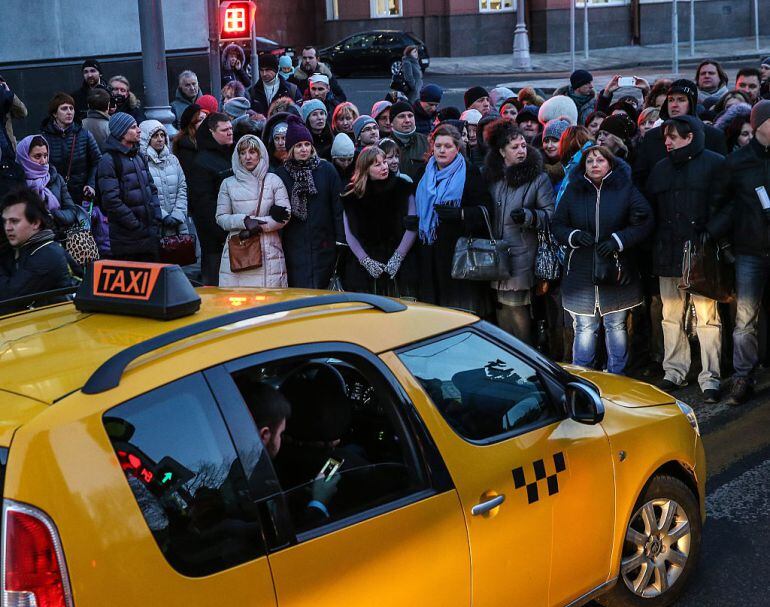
pixel 330 468
pixel 627 81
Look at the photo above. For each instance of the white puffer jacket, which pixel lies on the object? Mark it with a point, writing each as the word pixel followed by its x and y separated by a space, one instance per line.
pixel 167 175
pixel 238 198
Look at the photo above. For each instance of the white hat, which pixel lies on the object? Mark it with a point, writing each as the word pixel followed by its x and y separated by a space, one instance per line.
pixel 343 147
pixel 319 78
pixel 471 116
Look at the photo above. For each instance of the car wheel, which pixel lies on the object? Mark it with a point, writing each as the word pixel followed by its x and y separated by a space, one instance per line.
pixel 661 547
pixel 395 67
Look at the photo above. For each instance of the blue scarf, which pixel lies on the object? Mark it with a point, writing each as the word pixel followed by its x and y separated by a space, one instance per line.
pixel 438 186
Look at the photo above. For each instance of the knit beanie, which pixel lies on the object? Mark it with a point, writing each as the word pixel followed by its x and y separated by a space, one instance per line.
pixel 360 123
pixel 760 113
pixel 237 107
pixel 431 93
pixel 268 61
pixel 92 63
pixel 555 128
pixel 399 107
pixel 319 78
pixel 279 129
pixel 343 147
pixel 559 106
pixel 473 94
pixel 528 112
pixel 208 104
pixel 619 125
pixel 684 87
pixel 766 61
pixel 120 122
pixel 296 132
pixel 498 95
pixel 285 61
pixel 472 117
pixel 580 77
pixel 310 106
pixel 379 107
pixel 186 118
pixel 448 113
pixel 626 107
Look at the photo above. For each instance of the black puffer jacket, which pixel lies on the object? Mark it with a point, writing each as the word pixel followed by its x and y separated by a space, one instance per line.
pixel 129 199
pixel 81 98
pixel 681 191
pixel 11 177
pixel 66 215
pixel 85 155
pixel 212 165
pixel 739 212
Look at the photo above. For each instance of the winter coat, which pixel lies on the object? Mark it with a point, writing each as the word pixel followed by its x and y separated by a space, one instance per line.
pixel 181 103
pixel 85 158
pixel 168 177
pixel 213 164
pixel 422 120
pixel 129 199
pixel 681 191
pixel 309 246
pixel 66 216
pixel 81 98
pixel 259 101
pixel 739 213
pixel 614 201
pixel 435 260
pixel 323 141
pixel 133 107
pixel 410 68
pixel 11 177
pixel 413 152
pixel 38 265
pixel 98 124
pixel 239 196
pixel 229 74
pixel 524 186
pixel 300 78
pixel 186 151
pixel 6 104
pixel 585 103
pixel 18 111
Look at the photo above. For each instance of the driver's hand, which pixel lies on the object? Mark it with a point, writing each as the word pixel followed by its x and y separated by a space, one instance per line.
pixel 323 490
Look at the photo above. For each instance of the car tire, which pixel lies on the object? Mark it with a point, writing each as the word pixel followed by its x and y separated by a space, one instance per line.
pixel 648 556
pixel 395 67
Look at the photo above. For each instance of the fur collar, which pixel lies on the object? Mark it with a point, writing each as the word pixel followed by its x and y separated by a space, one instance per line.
pixel 516 175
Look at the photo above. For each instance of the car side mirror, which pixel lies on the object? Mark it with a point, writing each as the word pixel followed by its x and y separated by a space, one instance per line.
pixel 583 404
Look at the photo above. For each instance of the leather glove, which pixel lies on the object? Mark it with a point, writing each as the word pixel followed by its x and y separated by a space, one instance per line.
pixel 607 247
pixel 393 265
pixel 170 222
pixel 582 238
pixel 518 216
pixel 375 268
pixel 411 223
pixel 254 226
pixel 446 213
pixel 279 213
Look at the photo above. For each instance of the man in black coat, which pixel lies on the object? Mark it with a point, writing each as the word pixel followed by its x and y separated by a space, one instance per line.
pixel 33 263
pixel 680 189
pixel 743 200
pixel 681 99
pixel 270 86
pixel 128 195
pixel 213 164
pixel 92 78
pixel 426 106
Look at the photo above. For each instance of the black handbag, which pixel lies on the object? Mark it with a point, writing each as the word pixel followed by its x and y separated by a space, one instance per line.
pixel 399 83
pixel 481 258
pixel 706 271
pixel 609 271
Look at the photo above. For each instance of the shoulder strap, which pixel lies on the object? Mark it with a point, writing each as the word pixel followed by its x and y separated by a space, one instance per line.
pixel 261 192
pixel 72 155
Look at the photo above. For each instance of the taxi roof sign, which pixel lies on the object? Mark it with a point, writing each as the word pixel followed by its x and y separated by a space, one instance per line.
pixel 152 290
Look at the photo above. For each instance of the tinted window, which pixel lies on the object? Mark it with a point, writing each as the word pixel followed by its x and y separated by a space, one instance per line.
pixel 181 465
pixel 482 390
pixel 363 41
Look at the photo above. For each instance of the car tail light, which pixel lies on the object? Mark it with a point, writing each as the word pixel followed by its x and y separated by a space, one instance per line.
pixel 34 573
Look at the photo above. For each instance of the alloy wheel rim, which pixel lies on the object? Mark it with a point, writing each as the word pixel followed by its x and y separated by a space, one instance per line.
pixel 395 67
pixel 656 548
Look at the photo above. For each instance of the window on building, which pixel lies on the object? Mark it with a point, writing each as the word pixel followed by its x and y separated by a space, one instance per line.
pixel 581 3
pixel 495 6
pixel 386 8
pixel 332 10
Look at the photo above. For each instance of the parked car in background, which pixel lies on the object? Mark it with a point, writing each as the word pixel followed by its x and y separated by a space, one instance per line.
pixel 377 51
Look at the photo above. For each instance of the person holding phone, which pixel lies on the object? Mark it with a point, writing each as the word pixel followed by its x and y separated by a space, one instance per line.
pixel 617 82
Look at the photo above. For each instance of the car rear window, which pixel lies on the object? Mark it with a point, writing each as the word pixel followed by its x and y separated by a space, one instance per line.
pixel 182 468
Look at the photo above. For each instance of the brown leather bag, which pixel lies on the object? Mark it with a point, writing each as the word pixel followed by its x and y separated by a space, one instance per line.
pixel 246 254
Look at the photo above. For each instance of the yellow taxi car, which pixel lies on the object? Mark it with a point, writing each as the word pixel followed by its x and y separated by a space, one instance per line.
pixel 172 447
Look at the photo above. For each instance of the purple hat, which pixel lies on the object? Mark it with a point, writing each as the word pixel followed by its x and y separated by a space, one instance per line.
pixel 296 132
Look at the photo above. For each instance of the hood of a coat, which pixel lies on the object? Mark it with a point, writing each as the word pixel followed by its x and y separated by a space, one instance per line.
pixel 259 172
pixel 697 145
pixel 731 113
pixel 181 97
pixel 148 129
pixel 226 51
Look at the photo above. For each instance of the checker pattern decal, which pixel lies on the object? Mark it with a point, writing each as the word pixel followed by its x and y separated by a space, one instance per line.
pixel 539 473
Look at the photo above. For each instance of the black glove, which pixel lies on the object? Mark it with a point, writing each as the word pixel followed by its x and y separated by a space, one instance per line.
pixel 582 238
pixel 170 222
pixel 518 216
pixel 279 213
pixel 254 226
pixel 446 213
pixel 607 247
pixel 411 222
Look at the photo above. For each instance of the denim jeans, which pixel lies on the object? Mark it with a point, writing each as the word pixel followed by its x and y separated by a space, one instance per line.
pixel 616 337
pixel 676 362
pixel 751 274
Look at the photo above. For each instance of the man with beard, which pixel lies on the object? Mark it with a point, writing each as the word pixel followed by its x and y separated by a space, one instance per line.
pixel 92 78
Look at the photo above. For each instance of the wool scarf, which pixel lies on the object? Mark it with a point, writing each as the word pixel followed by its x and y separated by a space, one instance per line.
pixel 438 187
pixel 301 174
pixel 37 175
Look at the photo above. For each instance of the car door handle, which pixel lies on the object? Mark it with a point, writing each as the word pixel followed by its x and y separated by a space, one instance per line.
pixel 484 507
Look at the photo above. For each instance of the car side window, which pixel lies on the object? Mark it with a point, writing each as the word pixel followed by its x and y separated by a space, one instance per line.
pixel 483 391
pixel 181 465
pixel 360 42
pixel 345 450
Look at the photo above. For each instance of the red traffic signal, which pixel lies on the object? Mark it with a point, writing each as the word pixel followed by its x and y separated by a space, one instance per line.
pixel 235 18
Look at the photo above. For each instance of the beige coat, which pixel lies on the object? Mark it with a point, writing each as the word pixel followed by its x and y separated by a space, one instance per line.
pixel 238 198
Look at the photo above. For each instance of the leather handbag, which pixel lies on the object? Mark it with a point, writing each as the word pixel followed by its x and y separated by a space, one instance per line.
pixel 547 264
pixel 609 271
pixel 246 254
pixel 178 249
pixel 706 271
pixel 481 258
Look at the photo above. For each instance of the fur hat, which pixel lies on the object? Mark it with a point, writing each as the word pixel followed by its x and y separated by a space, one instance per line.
pixel 268 61
pixel 296 132
pixel 473 94
pixel 528 112
pixel 528 96
pixel 559 106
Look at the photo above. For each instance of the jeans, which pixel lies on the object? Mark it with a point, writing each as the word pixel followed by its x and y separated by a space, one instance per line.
pixel 587 334
pixel 676 361
pixel 751 274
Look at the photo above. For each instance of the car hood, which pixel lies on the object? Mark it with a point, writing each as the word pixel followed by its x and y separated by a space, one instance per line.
pixel 621 390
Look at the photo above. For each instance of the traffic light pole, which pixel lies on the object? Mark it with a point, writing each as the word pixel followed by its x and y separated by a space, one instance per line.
pixel 254 54
pixel 157 105
pixel 215 68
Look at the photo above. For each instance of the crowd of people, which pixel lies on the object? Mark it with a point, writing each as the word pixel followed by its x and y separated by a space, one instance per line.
pixel 614 183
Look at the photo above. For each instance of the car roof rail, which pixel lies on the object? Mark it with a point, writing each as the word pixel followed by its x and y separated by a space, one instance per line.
pixel 109 373
pixel 40 296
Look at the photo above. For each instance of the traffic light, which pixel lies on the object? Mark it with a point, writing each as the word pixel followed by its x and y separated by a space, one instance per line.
pixel 235 18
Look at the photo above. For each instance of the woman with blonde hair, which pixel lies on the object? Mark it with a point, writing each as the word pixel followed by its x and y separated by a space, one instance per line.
pixel 376 207
pixel 253 203
pixel 344 116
